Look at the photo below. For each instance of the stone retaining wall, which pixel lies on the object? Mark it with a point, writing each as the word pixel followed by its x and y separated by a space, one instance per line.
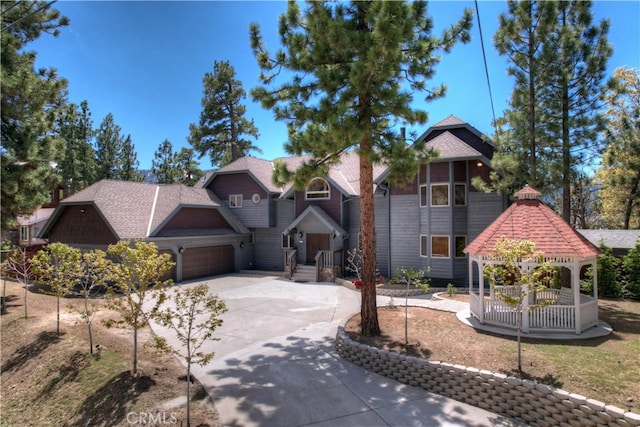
pixel 397 292
pixel 535 403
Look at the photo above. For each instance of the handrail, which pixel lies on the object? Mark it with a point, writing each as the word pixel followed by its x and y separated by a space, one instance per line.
pixel 290 262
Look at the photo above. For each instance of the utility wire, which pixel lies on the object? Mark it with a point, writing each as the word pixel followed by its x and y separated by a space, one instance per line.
pixel 486 68
pixel 43 7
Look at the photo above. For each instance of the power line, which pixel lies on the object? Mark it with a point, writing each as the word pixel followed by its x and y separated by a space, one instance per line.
pixel 486 68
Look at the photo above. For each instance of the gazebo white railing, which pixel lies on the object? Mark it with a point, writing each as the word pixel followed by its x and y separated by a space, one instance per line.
pixel 559 313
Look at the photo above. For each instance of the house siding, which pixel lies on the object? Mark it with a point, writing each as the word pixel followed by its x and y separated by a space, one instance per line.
pixel 332 206
pixel 251 214
pixel 483 209
pixel 84 228
pixel 381 207
pixel 405 232
pixel 268 241
pixel 194 218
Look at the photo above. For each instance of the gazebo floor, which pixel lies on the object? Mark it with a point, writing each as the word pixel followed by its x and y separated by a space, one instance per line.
pixel 602 329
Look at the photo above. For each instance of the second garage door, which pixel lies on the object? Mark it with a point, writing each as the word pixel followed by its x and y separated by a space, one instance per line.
pixel 207 261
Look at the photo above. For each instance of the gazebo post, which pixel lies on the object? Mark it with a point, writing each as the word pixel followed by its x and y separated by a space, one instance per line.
pixel 481 291
pixel 575 285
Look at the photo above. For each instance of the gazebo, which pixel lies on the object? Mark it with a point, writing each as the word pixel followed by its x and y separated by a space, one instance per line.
pixel 566 309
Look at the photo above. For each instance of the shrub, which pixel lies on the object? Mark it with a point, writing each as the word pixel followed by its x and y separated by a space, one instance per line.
pixel 451 289
pixel 609 284
pixel 631 273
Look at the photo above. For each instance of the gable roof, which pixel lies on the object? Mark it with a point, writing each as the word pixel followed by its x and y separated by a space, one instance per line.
pixel 260 170
pixel 615 239
pixel 321 215
pixel 452 148
pixel 136 210
pixel 530 219
pixel 453 122
pixel 344 175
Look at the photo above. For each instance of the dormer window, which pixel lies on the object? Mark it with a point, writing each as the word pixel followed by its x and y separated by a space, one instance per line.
pixel 318 188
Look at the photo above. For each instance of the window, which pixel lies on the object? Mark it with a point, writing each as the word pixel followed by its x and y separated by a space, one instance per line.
pixel 460 194
pixel 235 200
pixel 423 195
pixel 440 246
pixel 318 188
pixel 287 241
pixel 423 245
pixel 439 194
pixel 252 238
pixel 24 233
pixel 461 243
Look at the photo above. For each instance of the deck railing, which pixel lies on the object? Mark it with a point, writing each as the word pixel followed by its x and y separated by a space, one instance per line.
pixel 290 262
pixel 327 260
pixel 560 315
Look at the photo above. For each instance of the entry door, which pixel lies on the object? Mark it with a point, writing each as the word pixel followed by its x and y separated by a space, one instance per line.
pixel 316 242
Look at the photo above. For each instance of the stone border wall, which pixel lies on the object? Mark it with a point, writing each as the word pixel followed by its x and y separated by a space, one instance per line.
pixel 535 403
pixel 397 292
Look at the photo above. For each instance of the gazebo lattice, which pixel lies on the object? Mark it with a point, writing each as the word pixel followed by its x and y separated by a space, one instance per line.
pixel 565 309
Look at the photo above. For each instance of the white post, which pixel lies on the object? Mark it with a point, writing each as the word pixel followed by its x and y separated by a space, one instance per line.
pixel 481 291
pixel 575 285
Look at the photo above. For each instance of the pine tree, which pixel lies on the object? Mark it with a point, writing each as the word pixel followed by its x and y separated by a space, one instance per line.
pixel 522 149
pixel 576 87
pixel 109 145
pixel 163 166
pixel 222 130
pixel 188 166
pixel 355 68
pixel 30 99
pixel 78 166
pixel 619 173
pixel 129 161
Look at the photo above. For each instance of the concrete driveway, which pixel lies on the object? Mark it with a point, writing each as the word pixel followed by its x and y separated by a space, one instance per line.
pixel 275 364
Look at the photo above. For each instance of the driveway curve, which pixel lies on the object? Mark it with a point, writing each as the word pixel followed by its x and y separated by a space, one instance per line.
pixel 275 364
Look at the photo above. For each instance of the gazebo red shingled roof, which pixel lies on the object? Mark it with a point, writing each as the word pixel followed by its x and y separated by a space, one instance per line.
pixel 530 219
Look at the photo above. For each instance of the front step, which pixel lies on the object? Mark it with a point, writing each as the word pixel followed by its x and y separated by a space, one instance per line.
pixel 304 273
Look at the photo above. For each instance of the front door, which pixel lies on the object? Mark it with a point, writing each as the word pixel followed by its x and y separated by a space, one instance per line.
pixel 317 242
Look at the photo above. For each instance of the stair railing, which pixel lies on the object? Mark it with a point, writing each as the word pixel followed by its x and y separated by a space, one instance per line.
pixel 290 262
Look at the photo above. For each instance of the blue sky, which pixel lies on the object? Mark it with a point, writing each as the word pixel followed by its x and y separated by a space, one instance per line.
pixel 144 63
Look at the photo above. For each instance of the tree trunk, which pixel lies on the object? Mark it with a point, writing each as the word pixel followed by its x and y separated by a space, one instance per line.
pixel 135 351
pixel 58 316
pixel 88 319
pixel 532 108
pixel 629 205
pixel 368 308
pixel 189 392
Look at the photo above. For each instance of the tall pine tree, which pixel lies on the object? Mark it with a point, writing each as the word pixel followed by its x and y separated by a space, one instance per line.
pixel 575 91
pixel 619 174
pixel 522 149
pixel 109 145
pixel 163 166
pixel 29 148
pixel 222 130
pixel 354 68
pixel 78 166
pixel 129 161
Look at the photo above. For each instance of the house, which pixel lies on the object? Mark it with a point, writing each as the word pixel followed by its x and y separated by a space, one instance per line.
pixel 30 225
pixel 426 223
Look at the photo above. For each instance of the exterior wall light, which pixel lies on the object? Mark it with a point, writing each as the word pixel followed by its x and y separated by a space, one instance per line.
pixel 181 250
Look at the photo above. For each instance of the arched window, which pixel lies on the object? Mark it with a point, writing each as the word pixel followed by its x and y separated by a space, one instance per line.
pixel 318 188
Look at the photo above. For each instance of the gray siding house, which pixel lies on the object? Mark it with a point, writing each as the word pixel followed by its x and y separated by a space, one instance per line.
pixel 235 217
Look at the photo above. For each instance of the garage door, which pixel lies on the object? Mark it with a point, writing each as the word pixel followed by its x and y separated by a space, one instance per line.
pixel 207 261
